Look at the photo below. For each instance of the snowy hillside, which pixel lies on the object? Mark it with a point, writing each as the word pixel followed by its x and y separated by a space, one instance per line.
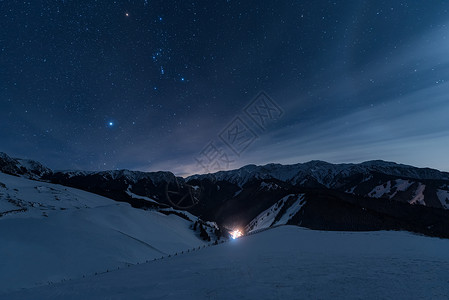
pixel 278 214
pixel 140 189
pixel 283 263
pixel 22 167
pixel 50 233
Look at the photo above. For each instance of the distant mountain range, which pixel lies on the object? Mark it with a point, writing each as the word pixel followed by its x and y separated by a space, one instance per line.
pixel 368 196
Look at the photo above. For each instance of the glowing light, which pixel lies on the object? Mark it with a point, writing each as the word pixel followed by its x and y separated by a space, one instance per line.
pixel 111 123
pixel 127 14
pixel 236 234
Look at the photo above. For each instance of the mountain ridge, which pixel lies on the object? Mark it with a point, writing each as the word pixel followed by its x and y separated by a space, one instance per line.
pixel 372 165
pixel 335 196
pixel 33 166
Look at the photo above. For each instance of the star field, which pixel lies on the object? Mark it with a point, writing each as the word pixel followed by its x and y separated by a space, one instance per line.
pixel 147 85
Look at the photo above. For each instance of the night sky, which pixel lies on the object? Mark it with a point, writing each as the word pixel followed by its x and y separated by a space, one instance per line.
pixel 176 85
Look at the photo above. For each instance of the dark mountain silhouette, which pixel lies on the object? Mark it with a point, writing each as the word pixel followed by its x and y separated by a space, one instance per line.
pixel 372 195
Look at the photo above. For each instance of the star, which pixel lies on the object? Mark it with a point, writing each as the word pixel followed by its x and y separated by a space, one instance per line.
pixel 127 14
pixel 110 123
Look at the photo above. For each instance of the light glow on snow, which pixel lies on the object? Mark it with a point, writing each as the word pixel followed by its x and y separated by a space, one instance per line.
pixel 236 234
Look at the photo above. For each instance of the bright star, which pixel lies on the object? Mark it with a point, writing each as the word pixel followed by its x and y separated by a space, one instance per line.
pixel 127 14
pixel 110 124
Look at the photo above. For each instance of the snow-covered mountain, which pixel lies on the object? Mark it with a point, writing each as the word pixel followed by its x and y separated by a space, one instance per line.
pixel 373 195
pixel 140 189
pixel 368 196
pixel 287 262
pixel 50 233
pixel 329 175
pixel 378 179
pixel 279 213
pixel 22 167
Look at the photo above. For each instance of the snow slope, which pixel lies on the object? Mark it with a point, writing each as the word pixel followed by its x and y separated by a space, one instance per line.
pixel 286 262
pixel 278 213
pixel 391 188
pixel 22 167
pixel 50 232
pixel 132 195
pixel 418 197
pixel 292 210
pixel 443 196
